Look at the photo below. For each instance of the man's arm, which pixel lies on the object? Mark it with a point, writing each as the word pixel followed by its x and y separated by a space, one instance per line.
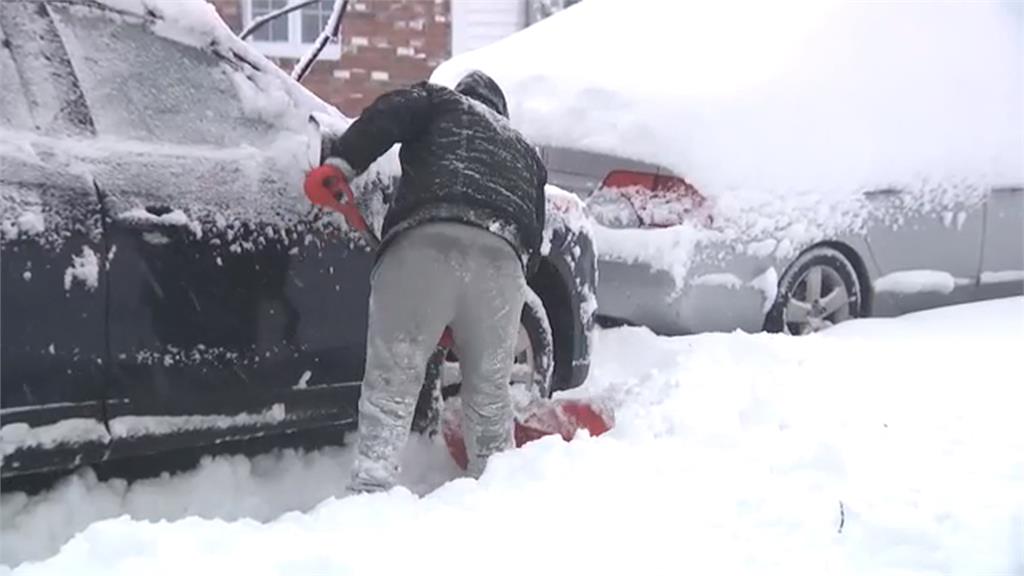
pixel 395 117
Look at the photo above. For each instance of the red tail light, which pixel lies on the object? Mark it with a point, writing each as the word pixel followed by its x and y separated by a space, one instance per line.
pixel 627 179
pixel 659 200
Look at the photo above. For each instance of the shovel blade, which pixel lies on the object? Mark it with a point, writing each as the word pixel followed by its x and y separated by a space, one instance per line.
pixel 544 418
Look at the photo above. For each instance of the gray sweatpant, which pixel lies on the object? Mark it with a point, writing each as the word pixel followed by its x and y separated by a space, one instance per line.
pixel 432 276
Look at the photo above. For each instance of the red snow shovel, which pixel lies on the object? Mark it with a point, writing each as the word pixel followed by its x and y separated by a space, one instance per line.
pixel 541 418
pixel 326 186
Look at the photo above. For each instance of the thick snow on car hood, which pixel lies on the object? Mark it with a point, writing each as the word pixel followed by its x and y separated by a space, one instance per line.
pixel 826 97
pixel 780 113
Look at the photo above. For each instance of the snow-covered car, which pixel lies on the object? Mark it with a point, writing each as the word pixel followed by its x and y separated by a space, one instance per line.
pixel 165 281
pixel 780 166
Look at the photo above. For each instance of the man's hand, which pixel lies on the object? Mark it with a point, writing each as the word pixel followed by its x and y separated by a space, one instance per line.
pixel 326 186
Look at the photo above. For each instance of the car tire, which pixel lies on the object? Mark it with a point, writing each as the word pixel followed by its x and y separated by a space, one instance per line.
pixel 536 328
pixel 820 288
pixel 534 360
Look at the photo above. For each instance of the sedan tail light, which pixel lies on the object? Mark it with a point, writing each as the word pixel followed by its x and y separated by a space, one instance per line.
pixel 656 200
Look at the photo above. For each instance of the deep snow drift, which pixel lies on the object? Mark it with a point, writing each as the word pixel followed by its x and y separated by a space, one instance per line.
pixel 883 446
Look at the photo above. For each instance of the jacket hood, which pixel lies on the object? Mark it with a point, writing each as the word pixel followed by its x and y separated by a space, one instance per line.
pixel 483 89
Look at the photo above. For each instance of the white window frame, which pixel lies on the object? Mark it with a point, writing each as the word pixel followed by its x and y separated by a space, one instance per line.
pixel 294 48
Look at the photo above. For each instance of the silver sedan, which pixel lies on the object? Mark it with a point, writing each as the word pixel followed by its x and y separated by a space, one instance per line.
pixel 663 264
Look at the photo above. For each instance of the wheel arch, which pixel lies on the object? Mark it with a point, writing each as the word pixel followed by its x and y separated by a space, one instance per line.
pixel 549 283
pixel 859 266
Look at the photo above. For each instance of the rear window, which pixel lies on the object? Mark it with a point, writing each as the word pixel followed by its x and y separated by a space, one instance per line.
pixel 145 87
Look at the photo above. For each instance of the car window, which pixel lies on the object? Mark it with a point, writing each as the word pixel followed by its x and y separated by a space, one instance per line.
pixel 14 112
pixel 142 86
pixel 42 86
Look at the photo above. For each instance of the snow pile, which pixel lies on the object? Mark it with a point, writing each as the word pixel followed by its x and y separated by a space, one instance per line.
pixel 31 223
pixel 84 269
pixel 20 435
pixel 883 446
pixel 800 96
pixel 224 487
pixel 28 223
pixel 779 113
pixel 193 22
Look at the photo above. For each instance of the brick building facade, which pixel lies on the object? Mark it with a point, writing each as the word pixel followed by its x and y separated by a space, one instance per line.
pixel 385 44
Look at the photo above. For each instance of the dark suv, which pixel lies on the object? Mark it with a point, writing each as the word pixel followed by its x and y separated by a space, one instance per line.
pixel 165 283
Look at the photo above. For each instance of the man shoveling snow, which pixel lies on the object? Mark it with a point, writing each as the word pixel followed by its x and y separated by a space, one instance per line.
pixel 461 236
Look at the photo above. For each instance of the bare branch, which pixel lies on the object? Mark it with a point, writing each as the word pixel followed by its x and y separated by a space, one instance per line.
pixel 332 29
pixel 263 20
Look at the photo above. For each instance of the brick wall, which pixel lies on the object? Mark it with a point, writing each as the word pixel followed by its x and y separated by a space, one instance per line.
pixel 385 44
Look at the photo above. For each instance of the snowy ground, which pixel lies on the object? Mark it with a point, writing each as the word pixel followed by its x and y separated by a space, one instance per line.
pixel 880 447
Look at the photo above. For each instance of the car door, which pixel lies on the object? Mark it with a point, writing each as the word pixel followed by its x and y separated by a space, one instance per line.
pixel 52 249
pixel 927 246
pixel 1002 264
pixel 227 291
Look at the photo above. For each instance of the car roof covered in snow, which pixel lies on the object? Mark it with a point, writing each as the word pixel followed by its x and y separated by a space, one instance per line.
pixel 823 97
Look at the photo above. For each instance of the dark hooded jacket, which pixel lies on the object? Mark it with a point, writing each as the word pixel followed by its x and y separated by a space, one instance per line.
pixel 461 161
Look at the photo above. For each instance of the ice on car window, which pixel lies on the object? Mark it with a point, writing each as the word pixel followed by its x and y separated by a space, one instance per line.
pixel 14 112
pixel 142 86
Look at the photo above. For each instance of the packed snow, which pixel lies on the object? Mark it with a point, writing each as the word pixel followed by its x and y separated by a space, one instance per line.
pixel 84 268
pixel 32 223
pixel 768 283
pixel 227 488
pixel 20 435
pixel 917 281
pixel 1002 276
pixel 76 430
pixel 881 446
pixel 28 223
pixel 725 280
pixel 127 426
